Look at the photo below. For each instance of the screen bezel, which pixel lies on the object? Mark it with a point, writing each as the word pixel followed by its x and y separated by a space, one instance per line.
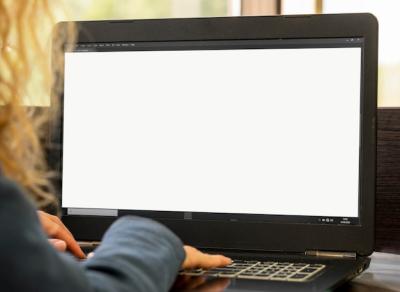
pixel 254 235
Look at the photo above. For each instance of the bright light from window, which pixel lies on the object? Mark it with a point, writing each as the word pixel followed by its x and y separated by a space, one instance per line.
pixel 235 7
pixel 135 9
pixel 298 6
pixel 387 12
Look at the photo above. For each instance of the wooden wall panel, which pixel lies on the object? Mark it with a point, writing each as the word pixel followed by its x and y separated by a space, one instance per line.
pixel 387 237
pixel 260 7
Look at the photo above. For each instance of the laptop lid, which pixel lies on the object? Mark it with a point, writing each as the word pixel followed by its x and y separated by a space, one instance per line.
pixel 250 133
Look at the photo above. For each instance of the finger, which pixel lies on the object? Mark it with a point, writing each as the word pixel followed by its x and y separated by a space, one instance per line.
pixel 59 245
pixel 197 259
pixel 191 258
pixel 213 261
pixel 64 234
pixel 55 219
pixel 72 245
pixel 56 231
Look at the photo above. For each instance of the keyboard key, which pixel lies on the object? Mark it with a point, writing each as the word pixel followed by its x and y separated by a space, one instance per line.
pixel 277 271
pixel 211 273
pixel 265 266
pixel 229 273
pixel 255 269
pixel 264 274
pixel 279 276
pixel 298 276
pixel 243 265
pixel 221 269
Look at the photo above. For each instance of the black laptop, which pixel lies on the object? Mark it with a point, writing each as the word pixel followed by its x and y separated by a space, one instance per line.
pixel 253 137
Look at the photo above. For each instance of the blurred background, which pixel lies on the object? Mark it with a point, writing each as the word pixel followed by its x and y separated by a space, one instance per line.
pixel 385 10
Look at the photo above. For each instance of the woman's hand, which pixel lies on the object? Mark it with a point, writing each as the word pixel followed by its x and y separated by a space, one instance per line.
pixel 60 237
pixel 197 259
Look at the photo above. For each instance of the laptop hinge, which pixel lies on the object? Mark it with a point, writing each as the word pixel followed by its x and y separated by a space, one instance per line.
pixel 89 244
pixel 92 212
pixel 330 254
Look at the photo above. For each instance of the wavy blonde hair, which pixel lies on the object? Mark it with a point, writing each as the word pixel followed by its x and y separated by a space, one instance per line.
pixel 26 80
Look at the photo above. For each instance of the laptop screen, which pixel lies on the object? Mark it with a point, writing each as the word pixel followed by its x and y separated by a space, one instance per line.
pixel 265 130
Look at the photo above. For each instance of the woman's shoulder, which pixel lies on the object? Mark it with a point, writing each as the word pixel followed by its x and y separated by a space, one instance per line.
pixel 13 200
pixel 9 189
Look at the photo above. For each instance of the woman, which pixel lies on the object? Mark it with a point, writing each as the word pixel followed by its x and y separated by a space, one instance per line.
pixel 135 255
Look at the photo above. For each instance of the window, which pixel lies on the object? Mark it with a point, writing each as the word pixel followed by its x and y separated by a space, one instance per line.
pixel 298 7
pixel 389 40
pixel 123 9
pixel 385 10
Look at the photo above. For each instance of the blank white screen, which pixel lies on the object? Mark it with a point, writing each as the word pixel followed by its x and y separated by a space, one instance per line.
pixel 226 131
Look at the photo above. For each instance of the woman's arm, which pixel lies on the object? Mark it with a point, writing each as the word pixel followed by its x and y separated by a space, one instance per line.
pixel 28 262
pixel 137 254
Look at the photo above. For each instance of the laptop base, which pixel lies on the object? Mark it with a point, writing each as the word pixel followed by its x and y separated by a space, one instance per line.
pixel 335 273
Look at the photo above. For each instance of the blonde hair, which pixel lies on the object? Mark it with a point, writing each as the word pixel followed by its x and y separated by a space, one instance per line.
pixel 25 81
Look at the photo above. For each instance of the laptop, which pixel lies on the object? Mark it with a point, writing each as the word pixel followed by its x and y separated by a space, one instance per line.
pixel 252 137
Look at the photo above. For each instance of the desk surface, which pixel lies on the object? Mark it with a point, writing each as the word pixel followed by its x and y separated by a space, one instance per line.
pixel 382 275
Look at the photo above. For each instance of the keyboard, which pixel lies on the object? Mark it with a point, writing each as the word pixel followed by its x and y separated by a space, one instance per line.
pixel 255 270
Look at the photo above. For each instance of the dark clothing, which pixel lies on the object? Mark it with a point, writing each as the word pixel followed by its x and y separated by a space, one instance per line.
pixel 135 255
